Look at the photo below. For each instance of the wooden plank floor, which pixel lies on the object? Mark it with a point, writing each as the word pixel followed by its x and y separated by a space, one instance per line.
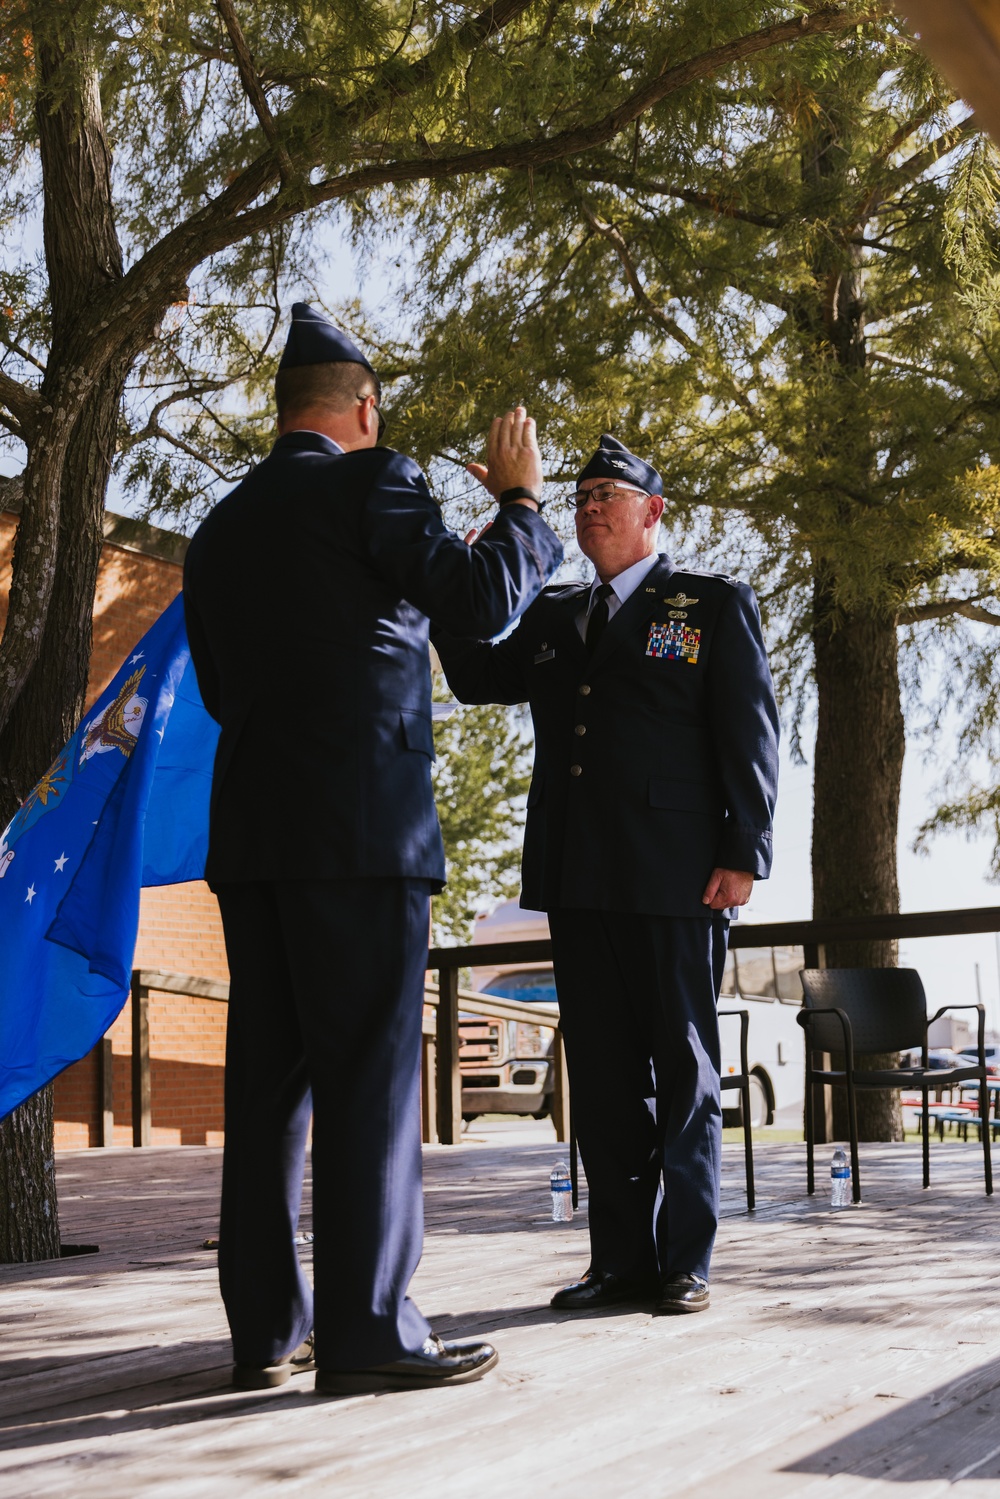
pixel 845 1353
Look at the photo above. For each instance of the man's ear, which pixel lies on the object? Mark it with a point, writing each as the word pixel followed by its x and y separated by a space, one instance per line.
pixel 654 513
pixel 368 415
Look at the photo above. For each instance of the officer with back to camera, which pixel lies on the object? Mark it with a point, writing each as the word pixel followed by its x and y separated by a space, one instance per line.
pixel 307 592
pixel 649 818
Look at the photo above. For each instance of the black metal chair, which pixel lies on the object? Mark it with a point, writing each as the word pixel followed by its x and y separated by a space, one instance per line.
pixel 741 1080
pixel 865 1010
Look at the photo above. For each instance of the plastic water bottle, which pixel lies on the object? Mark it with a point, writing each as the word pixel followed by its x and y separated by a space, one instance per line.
pixel 840 1180
pixel 562 1193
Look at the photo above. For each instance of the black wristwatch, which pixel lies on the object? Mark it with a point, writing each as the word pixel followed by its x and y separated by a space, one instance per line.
pixel 508 496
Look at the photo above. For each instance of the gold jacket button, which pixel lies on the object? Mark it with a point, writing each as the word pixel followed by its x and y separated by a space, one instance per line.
pixel 584 690
pixel 576 770
pixel 581 728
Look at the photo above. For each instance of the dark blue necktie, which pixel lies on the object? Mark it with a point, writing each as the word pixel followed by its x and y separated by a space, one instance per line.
pixel 598 620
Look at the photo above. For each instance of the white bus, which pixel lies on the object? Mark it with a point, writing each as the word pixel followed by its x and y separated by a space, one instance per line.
pixel 765 982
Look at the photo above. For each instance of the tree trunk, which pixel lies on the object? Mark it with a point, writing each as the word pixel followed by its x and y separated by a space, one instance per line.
pixel 859 765
pixel 29 1211
pixel 60 536
pixel 51 701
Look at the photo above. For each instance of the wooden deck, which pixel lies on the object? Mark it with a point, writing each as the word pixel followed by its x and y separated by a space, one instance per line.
pixel 846 1353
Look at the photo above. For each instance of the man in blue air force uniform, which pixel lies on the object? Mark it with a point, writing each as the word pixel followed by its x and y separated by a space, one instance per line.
pixel 649 818
pixel 307 592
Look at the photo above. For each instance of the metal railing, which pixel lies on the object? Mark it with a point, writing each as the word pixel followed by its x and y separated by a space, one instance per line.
pixel 812 936
pixel 442 1076
pixel 161 981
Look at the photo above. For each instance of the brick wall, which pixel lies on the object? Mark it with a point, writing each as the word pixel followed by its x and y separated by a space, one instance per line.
pixel 179 927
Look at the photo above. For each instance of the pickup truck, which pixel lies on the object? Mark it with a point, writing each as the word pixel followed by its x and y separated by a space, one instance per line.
pixel 506 1065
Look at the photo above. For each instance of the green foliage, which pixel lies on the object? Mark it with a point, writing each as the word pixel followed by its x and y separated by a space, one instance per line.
pixel 779 278
pixel 480 782
pixel 381 87
pixel 784 288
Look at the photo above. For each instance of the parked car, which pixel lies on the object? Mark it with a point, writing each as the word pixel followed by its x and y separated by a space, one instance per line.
pixel 940 1057
pixel 992 1057
pixel 506 1065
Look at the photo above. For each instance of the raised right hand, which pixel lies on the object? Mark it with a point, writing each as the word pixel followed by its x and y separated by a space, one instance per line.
pixel 513 459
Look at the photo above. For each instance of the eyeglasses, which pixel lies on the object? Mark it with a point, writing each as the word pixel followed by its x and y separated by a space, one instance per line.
pixel 603 494
pixel 381 419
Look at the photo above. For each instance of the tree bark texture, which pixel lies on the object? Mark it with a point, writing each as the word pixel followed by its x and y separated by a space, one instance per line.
pixel 860 735
pixel 83 259
pixel 859 764
pixel 49 629
pixel 29 1211
pixel 53 695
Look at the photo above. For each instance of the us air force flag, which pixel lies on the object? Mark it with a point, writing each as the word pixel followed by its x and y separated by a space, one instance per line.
pixel 124 804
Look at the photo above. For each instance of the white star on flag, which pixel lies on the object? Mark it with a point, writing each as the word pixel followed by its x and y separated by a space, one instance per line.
pixel 137 657
pixel 59 863
pixel 159 735
pixel 31 894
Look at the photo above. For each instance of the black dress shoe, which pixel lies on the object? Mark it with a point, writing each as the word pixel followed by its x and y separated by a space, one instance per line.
pixel 600 1288
pixel 683 1293
pixel 255 1377
pixel 436 1363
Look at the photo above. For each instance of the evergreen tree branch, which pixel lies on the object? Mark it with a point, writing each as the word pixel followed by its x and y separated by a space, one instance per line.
pixel 915 166
pixel 252 87
pixel 969 608
pixel 155 430
pixel 912 169
pixel 616 240
pixel 662 319
pixel 629 182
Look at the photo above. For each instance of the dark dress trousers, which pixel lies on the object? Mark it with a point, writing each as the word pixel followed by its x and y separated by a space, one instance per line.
pixel 656 761
pixel 307 591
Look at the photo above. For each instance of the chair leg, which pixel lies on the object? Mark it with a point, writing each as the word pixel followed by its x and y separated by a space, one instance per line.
pixel 852 1117
pixel 748 1146
pixel 984 1114
pixel 925 1123
pixel 810 1133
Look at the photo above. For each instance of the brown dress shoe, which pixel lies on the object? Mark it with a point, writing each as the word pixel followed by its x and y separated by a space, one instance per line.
pixel 682 1293
pixel 252 1377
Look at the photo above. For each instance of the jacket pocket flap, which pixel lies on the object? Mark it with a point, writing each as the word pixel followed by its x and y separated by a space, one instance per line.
pixel 417 731
pixel 684 796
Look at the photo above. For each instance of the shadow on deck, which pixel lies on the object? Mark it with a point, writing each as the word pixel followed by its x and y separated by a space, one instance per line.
pixel 844 1350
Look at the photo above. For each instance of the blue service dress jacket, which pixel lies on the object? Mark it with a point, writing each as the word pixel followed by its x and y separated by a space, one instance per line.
pixel 656 758
pixel 307 592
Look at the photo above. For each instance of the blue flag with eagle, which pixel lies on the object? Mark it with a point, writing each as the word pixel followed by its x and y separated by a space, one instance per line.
pixel 124 804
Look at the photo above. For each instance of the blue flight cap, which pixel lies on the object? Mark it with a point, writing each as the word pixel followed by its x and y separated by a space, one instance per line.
pixel 313 339
pixel 614 461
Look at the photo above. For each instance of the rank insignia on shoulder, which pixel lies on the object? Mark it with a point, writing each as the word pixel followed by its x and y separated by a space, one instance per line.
pixel 674 642
pixel 681 601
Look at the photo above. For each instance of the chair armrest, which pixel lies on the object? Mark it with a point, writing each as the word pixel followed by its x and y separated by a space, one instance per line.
pixel 744 1029
pixel 806 1016
pixel 981 1029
